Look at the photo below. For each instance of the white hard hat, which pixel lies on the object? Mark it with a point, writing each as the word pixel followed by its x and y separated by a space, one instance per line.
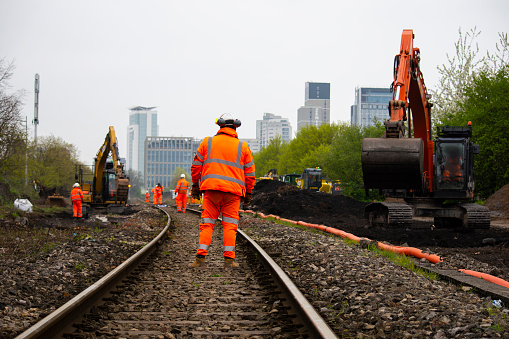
pixel 76 185
pixel 182 175
pixel 227 119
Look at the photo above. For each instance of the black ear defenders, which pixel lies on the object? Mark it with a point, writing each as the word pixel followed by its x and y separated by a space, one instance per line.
pixel 221 122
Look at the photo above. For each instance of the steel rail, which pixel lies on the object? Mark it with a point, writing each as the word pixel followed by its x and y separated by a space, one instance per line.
pixel 56 323
pixel 314 323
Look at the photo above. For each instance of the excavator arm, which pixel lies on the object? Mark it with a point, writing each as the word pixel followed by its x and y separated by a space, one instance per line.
pixel 403 159
pixel 120 183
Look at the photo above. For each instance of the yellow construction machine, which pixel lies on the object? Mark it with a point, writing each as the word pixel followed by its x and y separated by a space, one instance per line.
pixel 107 187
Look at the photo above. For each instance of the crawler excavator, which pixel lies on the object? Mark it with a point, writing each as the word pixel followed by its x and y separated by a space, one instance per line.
pixel 402 163
pixel 108 189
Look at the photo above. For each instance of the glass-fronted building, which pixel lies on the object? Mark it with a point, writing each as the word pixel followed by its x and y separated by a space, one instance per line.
pixel 370 104
pixel 142 123
pixel 164 155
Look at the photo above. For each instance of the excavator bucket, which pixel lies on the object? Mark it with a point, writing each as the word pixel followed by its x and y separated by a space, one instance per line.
pixel 56 200
pixel 390 163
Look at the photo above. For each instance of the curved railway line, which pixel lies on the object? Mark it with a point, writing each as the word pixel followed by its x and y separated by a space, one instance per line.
pixel 154 294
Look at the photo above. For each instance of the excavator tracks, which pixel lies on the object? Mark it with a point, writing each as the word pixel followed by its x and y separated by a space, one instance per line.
pixel 389 214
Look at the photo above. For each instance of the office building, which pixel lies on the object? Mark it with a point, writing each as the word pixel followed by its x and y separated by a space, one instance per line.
pixel 164 155
pixel 370 104
pixel 269 127
pixel 316 109
pixel 254 144
pixel 142 123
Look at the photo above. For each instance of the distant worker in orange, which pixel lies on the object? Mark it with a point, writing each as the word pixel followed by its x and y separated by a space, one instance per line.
pixel 147 196
pixel 181 190
pixel 77 200
pixel 154 196
pixel 452 171
pixel 223 169
pixel 159 193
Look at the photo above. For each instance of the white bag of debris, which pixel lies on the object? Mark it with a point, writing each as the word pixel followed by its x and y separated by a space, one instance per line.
pixel 23 204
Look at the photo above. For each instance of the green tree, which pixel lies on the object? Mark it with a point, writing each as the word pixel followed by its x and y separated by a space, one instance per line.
pixel 486 105
pixel 343 159
pixel 455 75
pixel 268 157
pixel 306 148
pixel 52 163
pixel 13 137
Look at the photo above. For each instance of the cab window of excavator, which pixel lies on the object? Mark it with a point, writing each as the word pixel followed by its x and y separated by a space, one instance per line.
pixel 450 161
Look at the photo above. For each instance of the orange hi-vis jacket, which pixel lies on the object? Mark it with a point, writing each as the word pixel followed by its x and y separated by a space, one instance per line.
pixel 76 194
pixel 159 190
pixel 182 186
pixel 224 163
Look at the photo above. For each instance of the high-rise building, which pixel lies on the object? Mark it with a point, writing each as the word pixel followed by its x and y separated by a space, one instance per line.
pixel 164 155
pixel 370 104
pixel 254 144
pixel 316 109
pixel 269 127
pixel 142 123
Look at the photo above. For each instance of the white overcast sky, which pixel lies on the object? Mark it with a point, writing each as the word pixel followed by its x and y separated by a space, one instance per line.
pixel 195 60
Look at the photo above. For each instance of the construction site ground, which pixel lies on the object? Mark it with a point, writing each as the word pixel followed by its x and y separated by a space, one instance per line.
pixel 489 246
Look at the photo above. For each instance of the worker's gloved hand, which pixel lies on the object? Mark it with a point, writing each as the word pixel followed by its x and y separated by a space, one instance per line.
pixel 195 192
pixel 247 199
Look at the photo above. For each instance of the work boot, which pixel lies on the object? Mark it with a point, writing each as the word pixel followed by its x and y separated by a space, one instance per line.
pixel 198 263
pixel 230 263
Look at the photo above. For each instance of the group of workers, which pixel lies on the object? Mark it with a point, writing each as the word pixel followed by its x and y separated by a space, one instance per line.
pixel 223 177
pixel 157 195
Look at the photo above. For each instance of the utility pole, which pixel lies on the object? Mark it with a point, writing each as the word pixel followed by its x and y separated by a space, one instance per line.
pixel 36 107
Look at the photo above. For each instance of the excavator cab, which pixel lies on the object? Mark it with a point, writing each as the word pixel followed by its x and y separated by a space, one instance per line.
pixel 312 179
pixel 454 156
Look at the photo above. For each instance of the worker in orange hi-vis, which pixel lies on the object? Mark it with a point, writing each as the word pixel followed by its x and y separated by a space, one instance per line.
pixel 181 191
pixel 77 199
pixel 147 196
pixel 154 196
pixel 223 169
pixel 159 191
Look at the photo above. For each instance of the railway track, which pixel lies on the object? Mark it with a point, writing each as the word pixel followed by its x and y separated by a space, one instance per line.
pixel 155 294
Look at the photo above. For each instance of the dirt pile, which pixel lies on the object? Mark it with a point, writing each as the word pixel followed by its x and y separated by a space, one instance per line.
pixel 288 201
pixel 498 203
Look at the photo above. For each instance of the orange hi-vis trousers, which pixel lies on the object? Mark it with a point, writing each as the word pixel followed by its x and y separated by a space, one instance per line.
pixel 181 202
pixel 77 209
pixel 214 203
pixel 155 199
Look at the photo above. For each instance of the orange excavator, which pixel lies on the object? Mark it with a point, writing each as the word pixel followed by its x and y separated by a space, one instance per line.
pixel 402 163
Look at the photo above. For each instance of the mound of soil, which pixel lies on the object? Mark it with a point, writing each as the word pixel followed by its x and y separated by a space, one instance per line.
pixel 498 203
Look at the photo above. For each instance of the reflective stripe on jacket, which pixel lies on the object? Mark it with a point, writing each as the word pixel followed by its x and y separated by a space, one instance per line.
pixel 182 186
pixel 224 163
pixel 76 194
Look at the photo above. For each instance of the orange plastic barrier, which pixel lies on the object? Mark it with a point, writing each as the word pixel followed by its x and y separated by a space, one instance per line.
pixel 411 251
pixel 487 277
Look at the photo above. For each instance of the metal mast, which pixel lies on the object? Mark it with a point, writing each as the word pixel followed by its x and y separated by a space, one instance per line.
pixel 36 107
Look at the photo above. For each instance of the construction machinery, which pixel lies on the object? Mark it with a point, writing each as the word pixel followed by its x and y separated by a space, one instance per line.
pixel 311 179
pixel 291 178
pixel 107 187
pixel 402 164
